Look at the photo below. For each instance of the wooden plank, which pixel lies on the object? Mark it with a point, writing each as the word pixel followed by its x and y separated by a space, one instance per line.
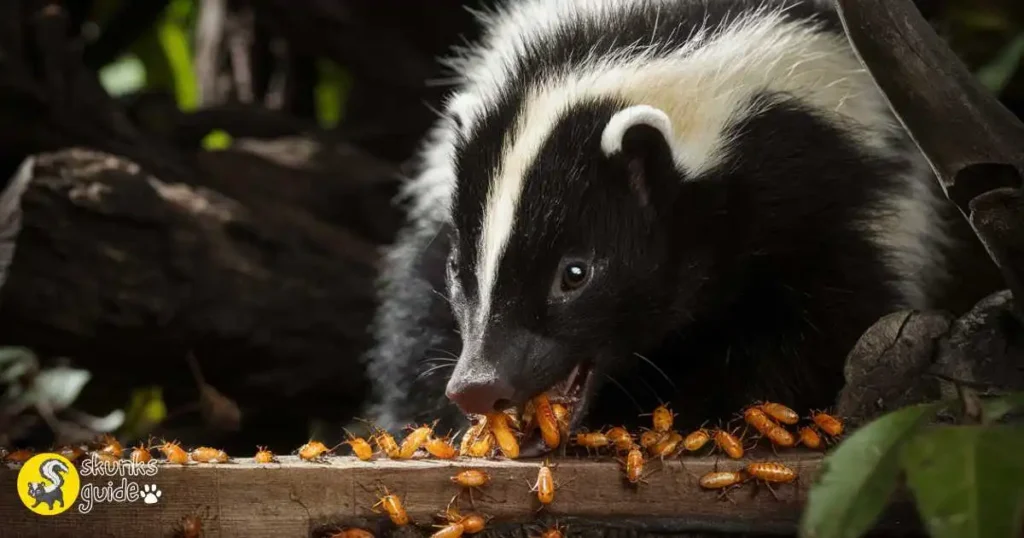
pixel 296 498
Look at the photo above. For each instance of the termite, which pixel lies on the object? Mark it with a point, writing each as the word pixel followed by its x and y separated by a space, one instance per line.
pixel 561 413
pixel 662 418
pixel 829 424
pixel 592 440
pixel 412 442
pixel 107 458
pixel 393 506
pixel 482 447
pixel 263 455
pixel 545 485
pixel 360 447
pixel 441 448
pixel 72 453
pixel 548 422
pixel 620 438
pixel 810 438
pixel 110 445
pixel 19 456
pixel 352 532
pixel 696 440
pixel 667 445
pixel 471 479
pixel 472 435
pixel 140 454
pixel 386 443
pixel 553 532
pixel 173 452
pixel 729 444
pixel 722 479
pixel 778 435
pixel 471 523
pixel 313 450
pixel 205 454
pixel 771 472
pixel 780 413
pixel 503 434
pixel 191 526
pixel 635 465
pixel 649 438
pixel 451 530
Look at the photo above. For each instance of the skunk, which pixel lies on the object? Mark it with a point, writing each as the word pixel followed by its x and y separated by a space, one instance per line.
pixel 697 202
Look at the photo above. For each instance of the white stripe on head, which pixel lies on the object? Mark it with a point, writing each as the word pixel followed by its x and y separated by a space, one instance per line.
pixel 702 88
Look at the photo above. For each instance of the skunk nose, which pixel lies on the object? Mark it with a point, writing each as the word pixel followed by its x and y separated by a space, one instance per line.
pixel 480 398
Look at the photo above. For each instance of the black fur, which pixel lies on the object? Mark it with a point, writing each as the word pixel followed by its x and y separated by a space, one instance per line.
pixel 751 282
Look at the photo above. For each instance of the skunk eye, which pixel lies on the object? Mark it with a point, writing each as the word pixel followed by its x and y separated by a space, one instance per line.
pixel 574 276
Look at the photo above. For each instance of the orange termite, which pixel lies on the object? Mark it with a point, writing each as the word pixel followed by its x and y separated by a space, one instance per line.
pixel 72 453
pixel 482 447
pixel 471 523
pixel 451 530
pixel 191 526
pixel 696 440
pixel 504 435
pixel 545 485
pixel 414 441
pixel 548 422
pixel 553 532
pixel 649 438
pixel 352 532
pixel 780 413
pixel 561 413
pixel 360 447
pixel 662 418
pixel 620 437
pixel 635 465
pixel 313 450
pixel 667 445
pixel 393 506
pixel 592 440
pixel 140 454
pixel 441 448
pixel 205 454
pixel 810 438
pixel 173 452
pixel 473 435
pixel 722 479
pixel 771 471
pixel 729 444
pixel 107 458
pixel 386 443
pixel 471 478
pixel 761 422
pixel 829 424
pixel 110 445
pixel 19 456
pixel 263 455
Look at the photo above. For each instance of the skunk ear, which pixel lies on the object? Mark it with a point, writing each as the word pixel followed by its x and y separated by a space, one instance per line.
pixel 640 138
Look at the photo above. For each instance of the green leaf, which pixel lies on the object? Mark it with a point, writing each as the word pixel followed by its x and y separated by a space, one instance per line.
pixel 996 408
pixel 858 478
pixel 331 88
pixel 968 480
pixel 146 410
pixel 174 40
pixel 997 74
pixel 216 140
pixel 124 76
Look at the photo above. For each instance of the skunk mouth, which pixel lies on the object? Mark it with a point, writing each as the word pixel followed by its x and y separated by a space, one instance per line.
pixel 573 392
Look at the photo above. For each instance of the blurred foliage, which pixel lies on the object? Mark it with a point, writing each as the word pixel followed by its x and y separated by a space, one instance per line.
pixel 967 479
pixel 989 36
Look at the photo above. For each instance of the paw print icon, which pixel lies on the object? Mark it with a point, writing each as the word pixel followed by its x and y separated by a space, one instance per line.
pixel 151 494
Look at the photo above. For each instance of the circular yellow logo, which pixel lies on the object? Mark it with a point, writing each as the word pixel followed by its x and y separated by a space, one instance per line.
pixel 48 484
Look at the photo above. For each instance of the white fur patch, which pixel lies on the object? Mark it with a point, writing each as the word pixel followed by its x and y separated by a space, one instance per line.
pixel 611 137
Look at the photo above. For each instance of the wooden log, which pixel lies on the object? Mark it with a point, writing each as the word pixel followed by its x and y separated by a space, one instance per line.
pixel 297 498
pixel 125 274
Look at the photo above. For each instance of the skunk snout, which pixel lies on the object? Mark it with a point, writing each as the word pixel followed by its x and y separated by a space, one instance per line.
pixel 479 397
